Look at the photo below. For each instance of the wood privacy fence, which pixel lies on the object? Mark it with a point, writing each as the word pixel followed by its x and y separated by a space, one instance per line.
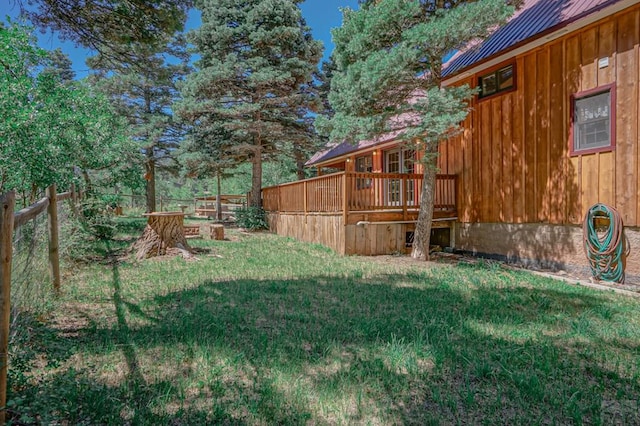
pixel 346 192
pixel 10 220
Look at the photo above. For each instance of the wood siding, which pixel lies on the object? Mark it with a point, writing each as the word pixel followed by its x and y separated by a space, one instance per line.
pixel 513 159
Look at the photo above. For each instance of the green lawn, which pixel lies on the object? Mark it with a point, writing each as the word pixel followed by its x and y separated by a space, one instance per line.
pixel 266 330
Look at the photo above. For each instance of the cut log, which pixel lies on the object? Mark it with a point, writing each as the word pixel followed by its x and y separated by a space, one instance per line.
pixel 217 232
pixel 163 234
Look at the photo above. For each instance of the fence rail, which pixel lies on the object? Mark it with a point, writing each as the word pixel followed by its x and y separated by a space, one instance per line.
pixel 10 221
pixel 352 192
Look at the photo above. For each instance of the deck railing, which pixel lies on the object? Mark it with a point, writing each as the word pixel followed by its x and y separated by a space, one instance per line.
pixel 345 192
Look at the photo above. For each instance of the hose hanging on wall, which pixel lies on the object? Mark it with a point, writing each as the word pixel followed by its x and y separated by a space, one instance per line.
pixel 605 249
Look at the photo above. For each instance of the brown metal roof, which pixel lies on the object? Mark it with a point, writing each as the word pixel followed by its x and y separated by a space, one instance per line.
pixel 335 150
pixel 535 19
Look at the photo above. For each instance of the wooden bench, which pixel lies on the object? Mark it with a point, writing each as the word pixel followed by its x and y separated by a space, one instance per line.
pixel 192 231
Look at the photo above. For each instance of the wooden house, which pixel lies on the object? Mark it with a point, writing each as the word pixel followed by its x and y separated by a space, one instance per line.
pixel 553 130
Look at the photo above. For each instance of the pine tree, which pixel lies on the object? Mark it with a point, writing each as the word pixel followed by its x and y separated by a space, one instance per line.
pixel 389 57
pixel 144 92
pixel 109 27
pixel 256 59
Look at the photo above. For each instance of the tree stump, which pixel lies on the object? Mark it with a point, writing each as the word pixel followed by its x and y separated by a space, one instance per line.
pixel 163 234
pixel 217 232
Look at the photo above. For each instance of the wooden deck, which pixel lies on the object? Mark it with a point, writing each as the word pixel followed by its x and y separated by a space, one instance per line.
pixel 357 213
pixel 376 196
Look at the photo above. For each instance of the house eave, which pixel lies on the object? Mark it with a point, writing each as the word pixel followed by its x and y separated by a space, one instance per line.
pixel 539 39
pixel 358 152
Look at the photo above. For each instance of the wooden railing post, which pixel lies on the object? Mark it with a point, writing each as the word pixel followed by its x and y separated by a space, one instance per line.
pixel 279 206
pixel 405 197
pixel 345 197
pixel 304 202
pixel 7 205
pixel 54 252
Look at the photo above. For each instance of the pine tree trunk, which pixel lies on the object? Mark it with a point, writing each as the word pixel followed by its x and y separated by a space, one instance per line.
pixel 300 161
pixel 164 234
pixel 150 166
pixel 422 234
pixel 256 179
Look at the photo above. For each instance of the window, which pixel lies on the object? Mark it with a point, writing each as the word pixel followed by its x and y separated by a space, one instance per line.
pixel 497 81
pixel 364 165
pixel 593 120
pixel 400 161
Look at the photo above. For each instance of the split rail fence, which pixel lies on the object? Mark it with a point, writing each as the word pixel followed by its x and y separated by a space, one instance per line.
pixel 10 222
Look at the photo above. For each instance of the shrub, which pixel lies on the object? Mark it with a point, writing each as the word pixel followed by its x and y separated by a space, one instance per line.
pixel 252 218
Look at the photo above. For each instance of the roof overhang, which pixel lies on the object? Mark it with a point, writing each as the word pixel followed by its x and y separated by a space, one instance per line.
pixel 382 144
pixel 540 39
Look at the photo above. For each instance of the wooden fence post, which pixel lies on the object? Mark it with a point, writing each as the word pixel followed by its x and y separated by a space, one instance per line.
pixel 54 252
pixel 74 201
pixel 7 205
pixel 74 195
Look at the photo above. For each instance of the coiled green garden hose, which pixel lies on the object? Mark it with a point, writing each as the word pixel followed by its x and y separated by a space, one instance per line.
pixel 605 250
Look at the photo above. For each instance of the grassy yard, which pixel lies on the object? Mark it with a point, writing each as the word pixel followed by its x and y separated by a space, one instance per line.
pixel 265 330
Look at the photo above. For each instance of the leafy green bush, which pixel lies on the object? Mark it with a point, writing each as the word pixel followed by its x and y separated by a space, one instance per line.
pixel 252 218
pixel 98 216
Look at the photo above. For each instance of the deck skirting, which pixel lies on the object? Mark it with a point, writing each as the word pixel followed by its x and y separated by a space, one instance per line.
pixel 359 236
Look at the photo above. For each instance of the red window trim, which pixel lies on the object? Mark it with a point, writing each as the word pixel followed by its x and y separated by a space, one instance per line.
pixel 611 88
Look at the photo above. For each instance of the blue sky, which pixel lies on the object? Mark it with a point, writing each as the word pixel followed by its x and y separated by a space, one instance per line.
pixel 321 16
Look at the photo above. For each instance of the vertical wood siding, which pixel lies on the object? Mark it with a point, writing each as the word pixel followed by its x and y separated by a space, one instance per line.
pixel 513 157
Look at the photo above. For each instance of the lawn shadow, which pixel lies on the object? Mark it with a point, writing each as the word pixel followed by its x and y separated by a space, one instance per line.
pixel 470 341
pixel 414 349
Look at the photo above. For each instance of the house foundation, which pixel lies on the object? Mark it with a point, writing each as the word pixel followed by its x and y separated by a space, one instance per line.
pixel 555 247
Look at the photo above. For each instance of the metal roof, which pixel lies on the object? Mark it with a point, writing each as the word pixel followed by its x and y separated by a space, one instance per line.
pixel 335 150
pixel 535 19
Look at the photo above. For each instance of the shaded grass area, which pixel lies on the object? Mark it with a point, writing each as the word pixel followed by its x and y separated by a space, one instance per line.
pixel 266 330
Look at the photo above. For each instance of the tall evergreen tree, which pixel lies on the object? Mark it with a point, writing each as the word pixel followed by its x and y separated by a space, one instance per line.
pixel 203 155
pixel 144 95
pixel 256 59
pixel 110 27
pixel 389 57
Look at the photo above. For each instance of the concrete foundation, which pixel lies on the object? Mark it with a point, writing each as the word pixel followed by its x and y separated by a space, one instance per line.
pixel 555 247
